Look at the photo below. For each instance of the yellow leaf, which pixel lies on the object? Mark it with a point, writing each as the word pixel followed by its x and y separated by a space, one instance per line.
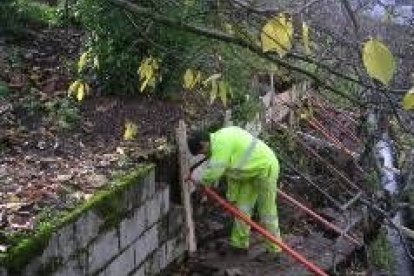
pixel 277 35
pixel 147 72
pixel 73 87
pixel 197 78
pixel 305 37
pixel 83 60
pixel 131 131
pixel 378 61
pixel 188 79
pixel 191 79
pixel 408 100
pixel 80 94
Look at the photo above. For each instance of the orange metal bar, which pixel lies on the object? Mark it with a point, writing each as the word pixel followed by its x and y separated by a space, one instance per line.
pixel 320 127
pixel 237 213
pixel 338 123
pixel 317 217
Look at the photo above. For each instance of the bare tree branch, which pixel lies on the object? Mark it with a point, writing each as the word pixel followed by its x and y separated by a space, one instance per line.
pixel 233 40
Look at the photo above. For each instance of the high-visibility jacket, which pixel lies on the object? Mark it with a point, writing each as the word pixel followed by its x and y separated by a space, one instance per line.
pixel 238 154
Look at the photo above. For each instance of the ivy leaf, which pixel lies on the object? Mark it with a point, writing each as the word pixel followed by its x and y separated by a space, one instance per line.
pixel 277 35
pixel 305 38
pixel 83 60
pixel 378 61
pixel 131 131
pixel 408 100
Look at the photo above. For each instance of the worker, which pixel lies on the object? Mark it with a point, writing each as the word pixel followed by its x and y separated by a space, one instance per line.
pixel 251 169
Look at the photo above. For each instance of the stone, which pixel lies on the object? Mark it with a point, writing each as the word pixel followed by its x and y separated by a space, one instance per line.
pixel 233 272
pixel 87 228
pixel 141 271
pixel 66 240
pixel 97 180
pixel 132 228
pixel 102 250
pixel 122 265
pixel 153 210
pixel 76 266
pixel 146 244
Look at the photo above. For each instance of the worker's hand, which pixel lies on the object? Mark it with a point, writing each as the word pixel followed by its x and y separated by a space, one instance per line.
pixel 194 183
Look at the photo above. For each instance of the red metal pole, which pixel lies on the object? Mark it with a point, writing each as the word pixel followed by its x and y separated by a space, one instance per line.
pixel 316 216
pixel 237 213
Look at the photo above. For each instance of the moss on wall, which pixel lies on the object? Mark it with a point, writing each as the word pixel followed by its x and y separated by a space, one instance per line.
pixel 107 203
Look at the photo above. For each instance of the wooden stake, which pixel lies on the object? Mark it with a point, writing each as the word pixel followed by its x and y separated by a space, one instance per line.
pixel 181 136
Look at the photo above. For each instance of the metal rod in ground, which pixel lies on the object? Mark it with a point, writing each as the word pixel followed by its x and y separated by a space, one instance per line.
pixel 237 213
pixel 317 217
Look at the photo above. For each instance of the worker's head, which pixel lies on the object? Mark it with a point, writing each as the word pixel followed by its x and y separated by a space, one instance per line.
pixel 199 143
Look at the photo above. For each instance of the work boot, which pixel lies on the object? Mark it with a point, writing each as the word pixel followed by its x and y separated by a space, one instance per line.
pixel 224 248
pixel 238 251
pixel 268 257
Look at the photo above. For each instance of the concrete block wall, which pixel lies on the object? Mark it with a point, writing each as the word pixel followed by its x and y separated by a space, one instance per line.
pixel 146 239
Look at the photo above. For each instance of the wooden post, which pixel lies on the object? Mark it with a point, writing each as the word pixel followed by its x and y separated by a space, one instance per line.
pixel 181 136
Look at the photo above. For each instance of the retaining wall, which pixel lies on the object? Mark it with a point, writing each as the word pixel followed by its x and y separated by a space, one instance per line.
pixel 130 229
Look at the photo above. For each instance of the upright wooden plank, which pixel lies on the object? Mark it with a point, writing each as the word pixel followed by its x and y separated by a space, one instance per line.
pixel 183 158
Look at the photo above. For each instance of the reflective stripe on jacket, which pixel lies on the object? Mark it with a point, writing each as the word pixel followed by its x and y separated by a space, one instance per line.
pixel 238 154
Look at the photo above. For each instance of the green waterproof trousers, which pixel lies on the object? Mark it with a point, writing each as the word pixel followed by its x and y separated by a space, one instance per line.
pixel 260 193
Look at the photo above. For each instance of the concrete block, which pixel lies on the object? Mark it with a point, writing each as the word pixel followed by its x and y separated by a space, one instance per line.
pixel 131 228
pixel 122 265
pixel 153 209
pixel 33 267
pixel 148 186
pixel 87 228
pixel 165 200
pixel 52 248
pixel 66 238
pixel 102 250
pixel 132 197
pixel 3 271
pixel 141 271
pixel 158 206
pixel 76 266
pixel 161 257
pixel 163 229
pixel 145 245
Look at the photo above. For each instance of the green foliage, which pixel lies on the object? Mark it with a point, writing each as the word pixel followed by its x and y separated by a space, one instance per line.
pixel 119 41
pixel 16 14
pixel 4 90
pixel 380 253
pixel 64 113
